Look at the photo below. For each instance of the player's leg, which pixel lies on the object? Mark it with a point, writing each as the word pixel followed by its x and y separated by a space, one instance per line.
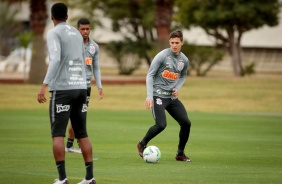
pixel 158 111
pixel 59 111
pixel 177 110
pixel 88 93
pixel 78 120
pixel 70 147
pixel 71 133
pixel 70 138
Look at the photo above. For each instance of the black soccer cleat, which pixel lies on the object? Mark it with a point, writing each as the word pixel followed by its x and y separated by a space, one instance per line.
pixel 182 158
pixel 140 149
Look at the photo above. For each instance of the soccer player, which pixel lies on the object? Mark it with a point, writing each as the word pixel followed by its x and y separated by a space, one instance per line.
pixel 165 77
pixel 92 66
pixel 66 80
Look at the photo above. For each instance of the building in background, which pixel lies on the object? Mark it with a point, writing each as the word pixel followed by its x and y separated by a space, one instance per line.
pixel 262 46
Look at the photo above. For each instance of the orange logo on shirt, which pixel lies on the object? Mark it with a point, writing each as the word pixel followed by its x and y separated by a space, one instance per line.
pixel 170 75
pixel 88 61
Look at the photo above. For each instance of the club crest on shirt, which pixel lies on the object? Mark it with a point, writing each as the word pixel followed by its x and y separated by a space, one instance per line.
pixel 92 49
pixel 159 101
pixel 180 66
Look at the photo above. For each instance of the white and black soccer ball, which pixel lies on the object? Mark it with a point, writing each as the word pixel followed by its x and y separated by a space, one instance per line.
pixel 152 154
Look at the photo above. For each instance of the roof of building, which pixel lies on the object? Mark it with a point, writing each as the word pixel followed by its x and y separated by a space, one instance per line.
pixel 266 37
pixel 269 37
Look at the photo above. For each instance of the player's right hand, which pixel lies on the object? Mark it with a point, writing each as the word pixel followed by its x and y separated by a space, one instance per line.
pixel 148 104
pixel 41 95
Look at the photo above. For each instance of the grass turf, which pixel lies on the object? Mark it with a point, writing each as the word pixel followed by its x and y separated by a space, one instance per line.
pixel 235 137
pixel 225 148
pixel 251 94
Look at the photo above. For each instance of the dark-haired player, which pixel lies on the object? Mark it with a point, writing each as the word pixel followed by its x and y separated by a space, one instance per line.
pixel 165 77
pixel 92 68
pixel 66 80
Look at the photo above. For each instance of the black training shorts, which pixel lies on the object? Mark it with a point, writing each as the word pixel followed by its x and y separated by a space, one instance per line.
pixel 65 105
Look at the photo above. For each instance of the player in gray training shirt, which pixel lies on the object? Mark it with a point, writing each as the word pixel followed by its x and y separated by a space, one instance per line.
pixel 66 79
pixel 165 77
pixel 92 67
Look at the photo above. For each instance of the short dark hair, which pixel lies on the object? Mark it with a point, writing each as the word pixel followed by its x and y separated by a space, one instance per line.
pixel 59 11
pixel 176 34
pixel 83 21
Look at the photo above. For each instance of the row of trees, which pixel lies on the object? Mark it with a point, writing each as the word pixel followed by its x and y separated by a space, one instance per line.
pixel 146 24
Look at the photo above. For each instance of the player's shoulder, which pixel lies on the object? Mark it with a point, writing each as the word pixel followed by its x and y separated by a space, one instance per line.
pixel 65 29
pixel 92 42
pixel 184 57
pixel 52 33
pixel 163 53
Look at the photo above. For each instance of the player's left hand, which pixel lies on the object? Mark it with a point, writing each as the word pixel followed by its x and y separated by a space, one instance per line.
pixel 174 93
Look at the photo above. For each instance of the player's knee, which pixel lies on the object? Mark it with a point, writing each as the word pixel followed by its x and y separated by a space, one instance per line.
pixel 162 126
pixel 80 134
pixel 186 124
pixel 189 123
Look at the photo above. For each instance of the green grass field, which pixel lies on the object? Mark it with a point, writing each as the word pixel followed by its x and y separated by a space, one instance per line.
pixel 236 135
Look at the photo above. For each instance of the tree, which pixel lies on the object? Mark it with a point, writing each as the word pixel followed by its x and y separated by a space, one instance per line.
pixel 202 58
pixel 132 19
pixel 141 19
pixel 38 16
pixel 25 39
pixel 135 20
pixel 86 9
pixel 227 21
pixel 164 11
pixel 9 27
pixel 121 51
pixel 145 22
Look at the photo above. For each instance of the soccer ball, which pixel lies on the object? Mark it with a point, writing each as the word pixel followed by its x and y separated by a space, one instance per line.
pixel 152 154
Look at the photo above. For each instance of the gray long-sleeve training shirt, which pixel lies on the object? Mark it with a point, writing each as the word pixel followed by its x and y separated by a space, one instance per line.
pixel 92 63
pixel 66 69
pixel 167 71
